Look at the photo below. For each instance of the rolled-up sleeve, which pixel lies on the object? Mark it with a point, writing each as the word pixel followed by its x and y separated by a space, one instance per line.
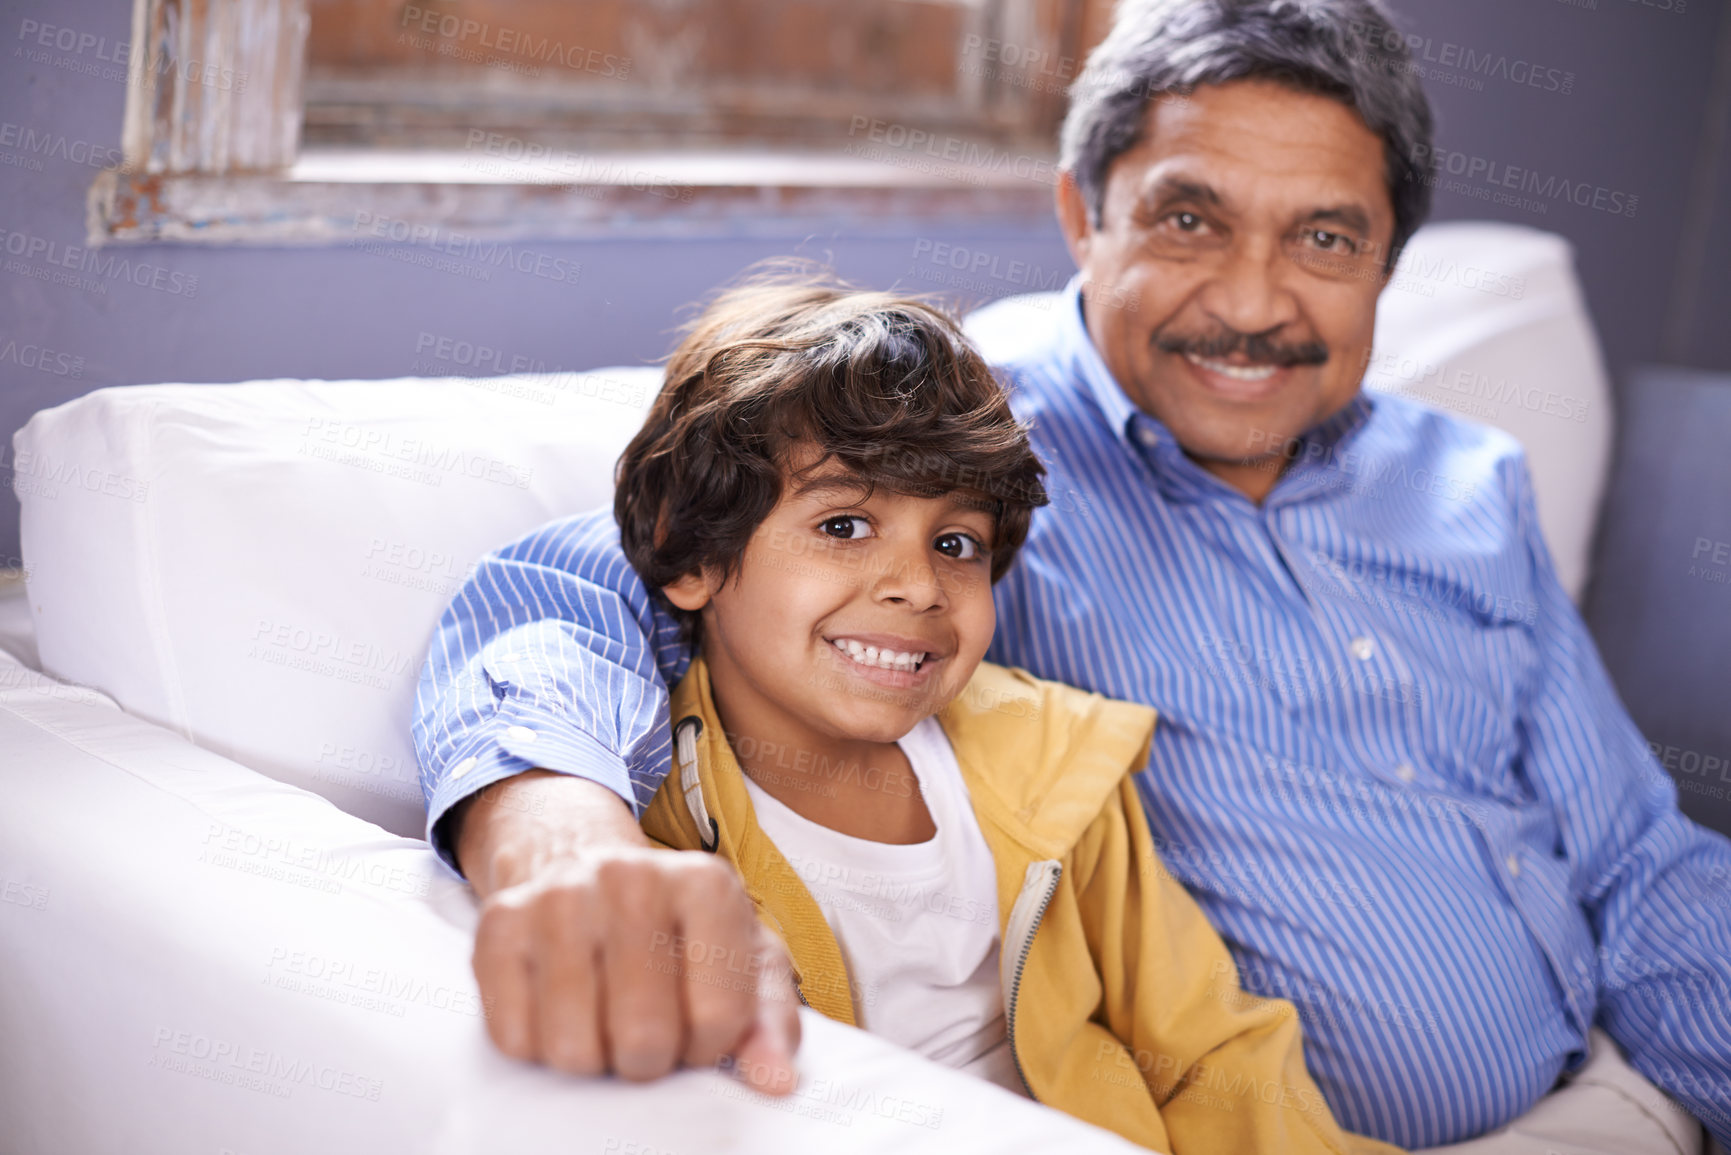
pixel 551 656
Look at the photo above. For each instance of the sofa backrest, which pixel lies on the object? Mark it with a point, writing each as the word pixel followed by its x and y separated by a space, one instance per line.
pixel 260 567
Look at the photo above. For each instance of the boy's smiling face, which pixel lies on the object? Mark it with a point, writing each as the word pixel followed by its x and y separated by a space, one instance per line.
pixel 850 618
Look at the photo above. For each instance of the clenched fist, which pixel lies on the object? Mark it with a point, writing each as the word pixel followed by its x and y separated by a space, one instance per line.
pixel 597 953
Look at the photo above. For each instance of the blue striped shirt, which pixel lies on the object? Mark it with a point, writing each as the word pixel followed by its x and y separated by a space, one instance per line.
pixel 1390 765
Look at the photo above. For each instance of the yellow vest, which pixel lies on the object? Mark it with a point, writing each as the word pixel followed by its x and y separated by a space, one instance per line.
pixel 1121 1003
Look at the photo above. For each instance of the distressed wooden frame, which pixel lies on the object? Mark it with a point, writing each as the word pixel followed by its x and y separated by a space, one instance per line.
pixel 212 155
pixel 213 92
pixel 214 86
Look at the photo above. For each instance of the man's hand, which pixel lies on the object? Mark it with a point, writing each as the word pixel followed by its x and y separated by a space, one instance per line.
pixel 581 954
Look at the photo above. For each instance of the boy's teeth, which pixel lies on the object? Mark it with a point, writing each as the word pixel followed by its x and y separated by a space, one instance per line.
pixel 883 659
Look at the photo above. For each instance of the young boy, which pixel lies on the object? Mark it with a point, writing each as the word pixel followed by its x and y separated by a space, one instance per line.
pixel 954 852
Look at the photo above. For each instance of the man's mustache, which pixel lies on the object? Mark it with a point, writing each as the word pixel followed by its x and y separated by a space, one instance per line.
pixel 1256 348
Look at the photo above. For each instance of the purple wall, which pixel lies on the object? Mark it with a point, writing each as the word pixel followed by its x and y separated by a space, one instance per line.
pixel 1615 105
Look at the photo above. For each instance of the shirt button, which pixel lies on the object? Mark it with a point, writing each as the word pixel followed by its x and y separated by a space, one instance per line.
pixel 1514 865
pixel 519 733
pixel 1147 436
pixel 464 767
pixel 1405 772
pixel 1362 648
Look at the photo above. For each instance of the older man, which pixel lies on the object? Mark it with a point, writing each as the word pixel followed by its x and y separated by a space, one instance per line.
pixel 1391 768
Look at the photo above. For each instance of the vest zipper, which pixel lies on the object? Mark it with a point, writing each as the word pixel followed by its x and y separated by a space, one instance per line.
pixel 690 784
pixel 1038 887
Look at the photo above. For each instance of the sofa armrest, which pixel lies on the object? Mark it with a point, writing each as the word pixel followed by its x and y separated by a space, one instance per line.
pixel 200 958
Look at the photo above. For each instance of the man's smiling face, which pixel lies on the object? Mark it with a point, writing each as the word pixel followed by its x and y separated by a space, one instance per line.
pixel 1240 253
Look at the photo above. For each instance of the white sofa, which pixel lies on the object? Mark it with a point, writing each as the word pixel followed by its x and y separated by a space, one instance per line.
pixel 220 929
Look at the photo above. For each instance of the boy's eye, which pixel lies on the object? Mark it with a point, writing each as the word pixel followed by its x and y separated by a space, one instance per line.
pixel 958 545
pixel 846 527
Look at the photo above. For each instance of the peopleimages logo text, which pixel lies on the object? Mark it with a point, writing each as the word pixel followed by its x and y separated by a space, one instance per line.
pixel 110 267
pixel 1388 44
pixel 980 159
pixel 1436 162
pixel 39 40
pixel 518 43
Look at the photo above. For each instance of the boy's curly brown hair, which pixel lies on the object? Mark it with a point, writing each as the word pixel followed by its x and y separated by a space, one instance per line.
pixel 885 385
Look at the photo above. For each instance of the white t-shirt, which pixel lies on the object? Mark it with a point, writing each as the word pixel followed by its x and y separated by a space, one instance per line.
pixel 918 924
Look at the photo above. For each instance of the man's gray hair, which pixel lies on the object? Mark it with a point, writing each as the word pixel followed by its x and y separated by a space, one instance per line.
pixel 1346 49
